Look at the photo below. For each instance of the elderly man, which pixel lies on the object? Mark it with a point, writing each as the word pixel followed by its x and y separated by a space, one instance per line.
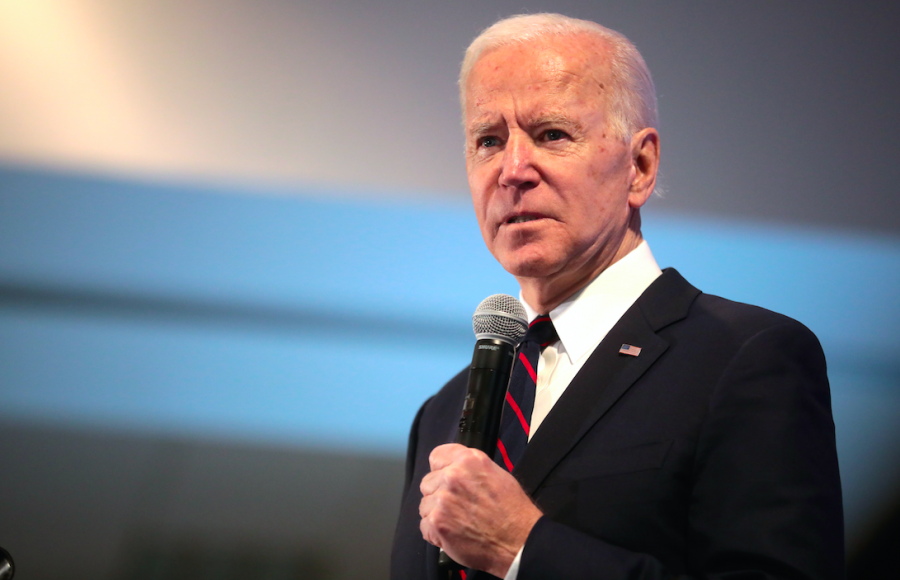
pixel 672 433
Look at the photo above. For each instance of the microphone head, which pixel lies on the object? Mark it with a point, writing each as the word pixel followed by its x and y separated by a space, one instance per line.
pixel 501 317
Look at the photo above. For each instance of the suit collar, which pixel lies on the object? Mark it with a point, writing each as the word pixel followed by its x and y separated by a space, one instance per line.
pixel 606 375
pixel 587 316
pixel 667 300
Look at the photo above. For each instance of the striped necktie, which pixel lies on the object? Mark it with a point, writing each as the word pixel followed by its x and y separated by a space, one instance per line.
pixel 516 420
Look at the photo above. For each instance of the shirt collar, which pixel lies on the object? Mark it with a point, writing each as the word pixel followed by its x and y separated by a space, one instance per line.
pixel 586 317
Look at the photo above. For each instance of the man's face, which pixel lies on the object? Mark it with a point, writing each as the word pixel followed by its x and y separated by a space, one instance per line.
pixel 550 181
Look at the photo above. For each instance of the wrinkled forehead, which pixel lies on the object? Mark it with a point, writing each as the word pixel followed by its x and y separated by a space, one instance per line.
pixel 562 69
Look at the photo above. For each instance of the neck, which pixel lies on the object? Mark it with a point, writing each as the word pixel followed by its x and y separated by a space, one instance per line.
pixel 545 294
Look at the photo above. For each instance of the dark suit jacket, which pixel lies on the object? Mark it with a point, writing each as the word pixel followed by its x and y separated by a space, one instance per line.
pixel 711 454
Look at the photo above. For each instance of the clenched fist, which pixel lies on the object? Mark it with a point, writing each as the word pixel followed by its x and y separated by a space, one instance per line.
pixel 474 509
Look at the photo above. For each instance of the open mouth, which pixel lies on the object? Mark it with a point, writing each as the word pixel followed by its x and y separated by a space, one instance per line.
pixel 521 219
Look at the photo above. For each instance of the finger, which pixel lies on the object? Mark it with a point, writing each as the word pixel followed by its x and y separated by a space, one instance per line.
pixel 443 455
pixel 427 505
pixel 431 482
pixel 428 533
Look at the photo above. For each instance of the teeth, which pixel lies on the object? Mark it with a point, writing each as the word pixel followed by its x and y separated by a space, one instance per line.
pixel 521 218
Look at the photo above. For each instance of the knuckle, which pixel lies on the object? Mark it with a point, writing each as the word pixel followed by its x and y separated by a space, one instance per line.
pixel 484 461
pixel 441 499
pixel 454 477
pixel 439 523
pixel 468 458
pixel 475 461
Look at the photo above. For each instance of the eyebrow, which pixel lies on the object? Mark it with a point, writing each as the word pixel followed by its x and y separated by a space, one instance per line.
pixel 555 119
pixel 482 128
pixel 536 121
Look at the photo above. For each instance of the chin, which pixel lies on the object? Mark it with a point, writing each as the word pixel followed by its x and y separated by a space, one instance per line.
pixel 535 266
pixel 530 256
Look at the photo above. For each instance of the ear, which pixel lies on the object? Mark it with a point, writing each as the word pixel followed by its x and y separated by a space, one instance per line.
pixel 645 164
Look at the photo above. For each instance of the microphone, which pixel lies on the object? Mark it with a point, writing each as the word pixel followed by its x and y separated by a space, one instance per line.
pixel 499 323
pixel 7 567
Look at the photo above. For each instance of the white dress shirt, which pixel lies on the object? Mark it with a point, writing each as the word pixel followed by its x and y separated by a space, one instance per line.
pixel 582 322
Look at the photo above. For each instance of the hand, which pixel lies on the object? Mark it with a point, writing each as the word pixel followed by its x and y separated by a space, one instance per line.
pixel 474 509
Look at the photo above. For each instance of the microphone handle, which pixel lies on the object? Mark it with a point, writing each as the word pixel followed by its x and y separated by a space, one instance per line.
pixel 479 425
pixel 7 567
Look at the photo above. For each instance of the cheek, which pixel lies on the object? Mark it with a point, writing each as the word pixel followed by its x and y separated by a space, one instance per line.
pixel 480 188
pixel 480 205
pixel 590 220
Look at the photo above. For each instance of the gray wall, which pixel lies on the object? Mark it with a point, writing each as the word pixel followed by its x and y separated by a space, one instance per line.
pixel 87 504
pixel 771 111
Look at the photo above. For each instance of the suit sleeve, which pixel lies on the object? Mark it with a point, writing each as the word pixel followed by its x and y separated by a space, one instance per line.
pixel 765 499
pixel 411 448
pixel 406 552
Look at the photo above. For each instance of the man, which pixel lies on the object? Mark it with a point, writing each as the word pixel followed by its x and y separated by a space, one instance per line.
pixel 708 454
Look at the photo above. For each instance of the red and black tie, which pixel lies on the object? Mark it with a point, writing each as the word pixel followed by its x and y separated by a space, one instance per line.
pixel 515 423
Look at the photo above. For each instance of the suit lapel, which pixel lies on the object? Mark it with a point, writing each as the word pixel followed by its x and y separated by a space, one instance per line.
pixel 606 376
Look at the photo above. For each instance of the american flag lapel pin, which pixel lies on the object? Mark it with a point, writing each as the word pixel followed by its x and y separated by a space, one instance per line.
pixel 630 350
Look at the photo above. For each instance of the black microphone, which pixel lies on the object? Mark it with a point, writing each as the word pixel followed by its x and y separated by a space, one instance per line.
pixel 7 567
pixel 499 323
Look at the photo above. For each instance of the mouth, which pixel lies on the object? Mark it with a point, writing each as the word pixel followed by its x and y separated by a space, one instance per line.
pixel 522 218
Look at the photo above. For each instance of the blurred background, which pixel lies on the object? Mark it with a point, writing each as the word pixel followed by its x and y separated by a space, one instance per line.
pixel 237 253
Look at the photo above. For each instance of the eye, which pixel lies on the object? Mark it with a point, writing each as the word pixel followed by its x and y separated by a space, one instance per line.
pixel 554 135
pixel 488 142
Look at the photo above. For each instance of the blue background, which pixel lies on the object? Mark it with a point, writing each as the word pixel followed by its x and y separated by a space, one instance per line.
pixel 324 321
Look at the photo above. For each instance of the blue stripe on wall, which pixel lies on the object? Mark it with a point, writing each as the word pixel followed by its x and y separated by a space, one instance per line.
pixel 207 311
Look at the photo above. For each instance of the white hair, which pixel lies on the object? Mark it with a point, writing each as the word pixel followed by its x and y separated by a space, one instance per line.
pixel 632 101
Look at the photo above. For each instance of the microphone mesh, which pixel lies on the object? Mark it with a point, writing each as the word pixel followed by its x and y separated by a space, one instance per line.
pixel 500 316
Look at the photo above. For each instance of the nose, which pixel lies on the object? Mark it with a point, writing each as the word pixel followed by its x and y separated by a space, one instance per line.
pixel 518 169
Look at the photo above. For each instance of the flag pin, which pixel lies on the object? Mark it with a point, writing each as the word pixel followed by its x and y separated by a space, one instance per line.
pixel 630 350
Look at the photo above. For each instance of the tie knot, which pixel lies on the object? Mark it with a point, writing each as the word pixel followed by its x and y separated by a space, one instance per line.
pixel 541 331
